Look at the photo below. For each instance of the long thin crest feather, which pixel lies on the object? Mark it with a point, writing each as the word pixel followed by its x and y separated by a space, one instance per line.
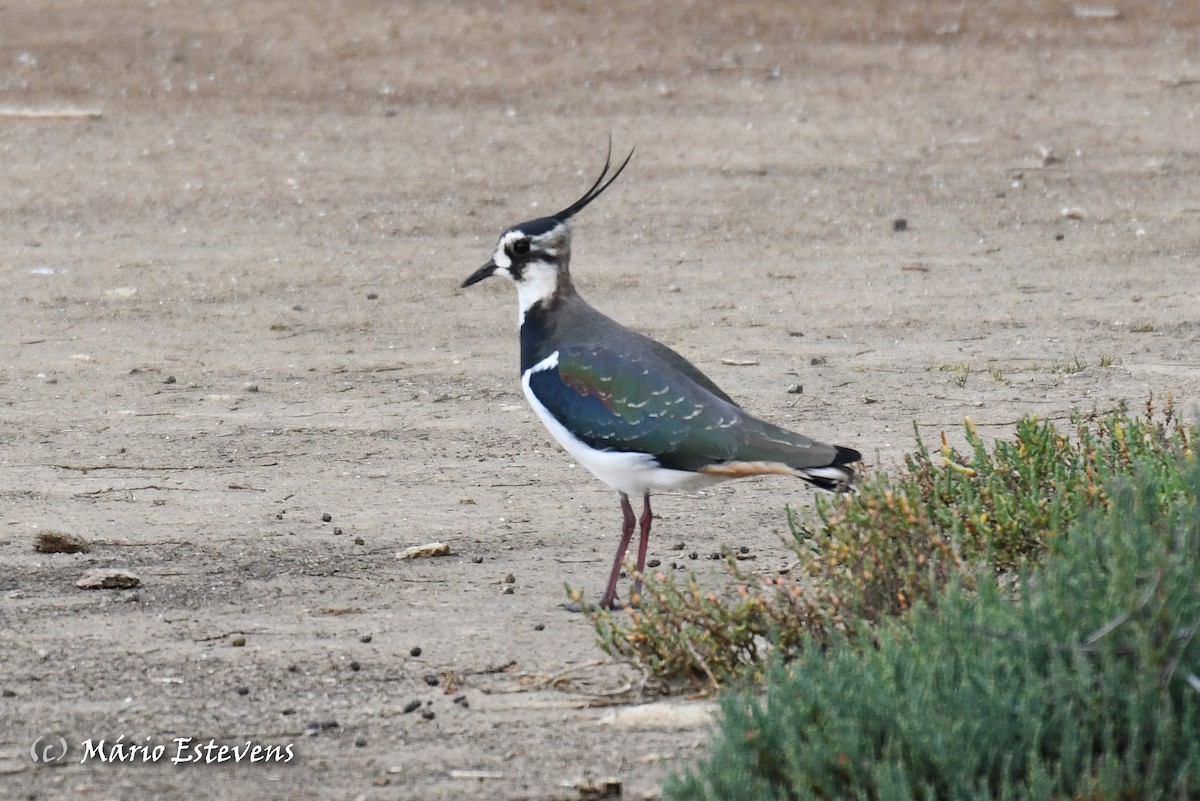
pixel 595 189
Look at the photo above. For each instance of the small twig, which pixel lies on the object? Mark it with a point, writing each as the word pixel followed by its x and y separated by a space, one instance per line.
pixel 1116 622
pixel 703 665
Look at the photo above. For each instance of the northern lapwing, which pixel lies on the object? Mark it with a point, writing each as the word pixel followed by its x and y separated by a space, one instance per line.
pixel 634 412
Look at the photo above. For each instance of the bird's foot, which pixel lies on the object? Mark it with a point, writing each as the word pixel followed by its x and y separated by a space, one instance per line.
pixel 583 606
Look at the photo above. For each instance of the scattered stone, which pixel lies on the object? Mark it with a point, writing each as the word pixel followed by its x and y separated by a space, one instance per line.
pixel 899 225
pixel 250 386
pixel 462 701
pixel 243 691
pixel 432 679
pixel 795 389
pixel 510 579
pixel 108 579
pixel 816 361
pixel 237 641
pixel 337 532
pixel 169 379
pixel 415 651
pixel 360 742
pixel 598 789
pixel 653 563
pixel 60 542
pixel 424 551
pixel 509 590
pixel 326 518
pixel 427 714
pixel 540 627
pixel 359 541
pixel 679 546
pixel 665 715
pixel 412 706
pixel 355 666
pixel 365 638
pixel 372 296
pixel 7 693
pixel 477 560
pixel 693 555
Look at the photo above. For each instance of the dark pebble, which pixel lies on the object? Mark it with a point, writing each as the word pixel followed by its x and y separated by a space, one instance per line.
pixel 169 380
pixel 432 680
pixel 355 666
pixel 899 224
pixel 428 714
pixel 359 541
pixel 337 532
pixel 329 724
pixel 412 706
pixel 243 690
pixel 510 579
pixel 462 701
pixel 745 549
pixel 714 555
pixel 653 563
pixel 693 555
pixel 297 307
pixel 365 638
pixel 293 668
pixel 1059 237
pixel 360 742
pixel 288 711
pixel 477 560
pixel 372 296
pixel 415 652
pixel 540 627
pixel 325 518
pixel 679 546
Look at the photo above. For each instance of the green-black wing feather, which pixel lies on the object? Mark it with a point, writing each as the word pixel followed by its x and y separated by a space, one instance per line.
pixel 646 404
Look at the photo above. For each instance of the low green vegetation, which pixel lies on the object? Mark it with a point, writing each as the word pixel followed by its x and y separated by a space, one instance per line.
pixel 1014 620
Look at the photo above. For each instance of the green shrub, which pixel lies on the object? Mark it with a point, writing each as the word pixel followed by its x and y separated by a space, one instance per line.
pixel 1086 687
pixel 897 542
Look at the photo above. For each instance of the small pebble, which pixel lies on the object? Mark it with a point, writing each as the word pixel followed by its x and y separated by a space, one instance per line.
pixel 372 296
pixel 412 706
pixel 432 680
pixel 250 386
pixel 462 701
pixel 169 379
pixel 428 714
pixel 325 518
pixel 714 555
pixel 329 724
pixel 243 690
pixel 744 549
pixel 288 711
pixel 679 546
pixel 360 742
pixel 795 389
pixel 653 563
pixel 337 532
pixel 355 666
pixel 365 638
pixel 477 560
pixel 693 555
pixel 238 641
pixel 359 541
pixel 899 224
pixel 510 579
pixel 509 590
pixel 415 652
pixel 540 627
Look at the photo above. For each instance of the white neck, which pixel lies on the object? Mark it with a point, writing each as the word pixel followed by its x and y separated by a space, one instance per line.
pixel 538 282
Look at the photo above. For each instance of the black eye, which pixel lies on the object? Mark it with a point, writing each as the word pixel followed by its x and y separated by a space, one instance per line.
pixel 521 247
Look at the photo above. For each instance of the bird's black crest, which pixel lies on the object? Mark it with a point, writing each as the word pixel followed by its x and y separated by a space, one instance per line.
pixel 594 191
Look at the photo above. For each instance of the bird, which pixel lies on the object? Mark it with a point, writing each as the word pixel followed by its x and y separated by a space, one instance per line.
pixel 634 412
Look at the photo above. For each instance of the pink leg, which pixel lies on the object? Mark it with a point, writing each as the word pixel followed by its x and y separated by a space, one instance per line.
pixel 643 543
pixel 610 592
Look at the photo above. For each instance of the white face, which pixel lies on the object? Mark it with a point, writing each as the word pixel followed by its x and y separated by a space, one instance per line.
pixel 533 263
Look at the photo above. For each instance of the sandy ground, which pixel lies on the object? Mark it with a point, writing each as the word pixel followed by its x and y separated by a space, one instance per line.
pixel 229 306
